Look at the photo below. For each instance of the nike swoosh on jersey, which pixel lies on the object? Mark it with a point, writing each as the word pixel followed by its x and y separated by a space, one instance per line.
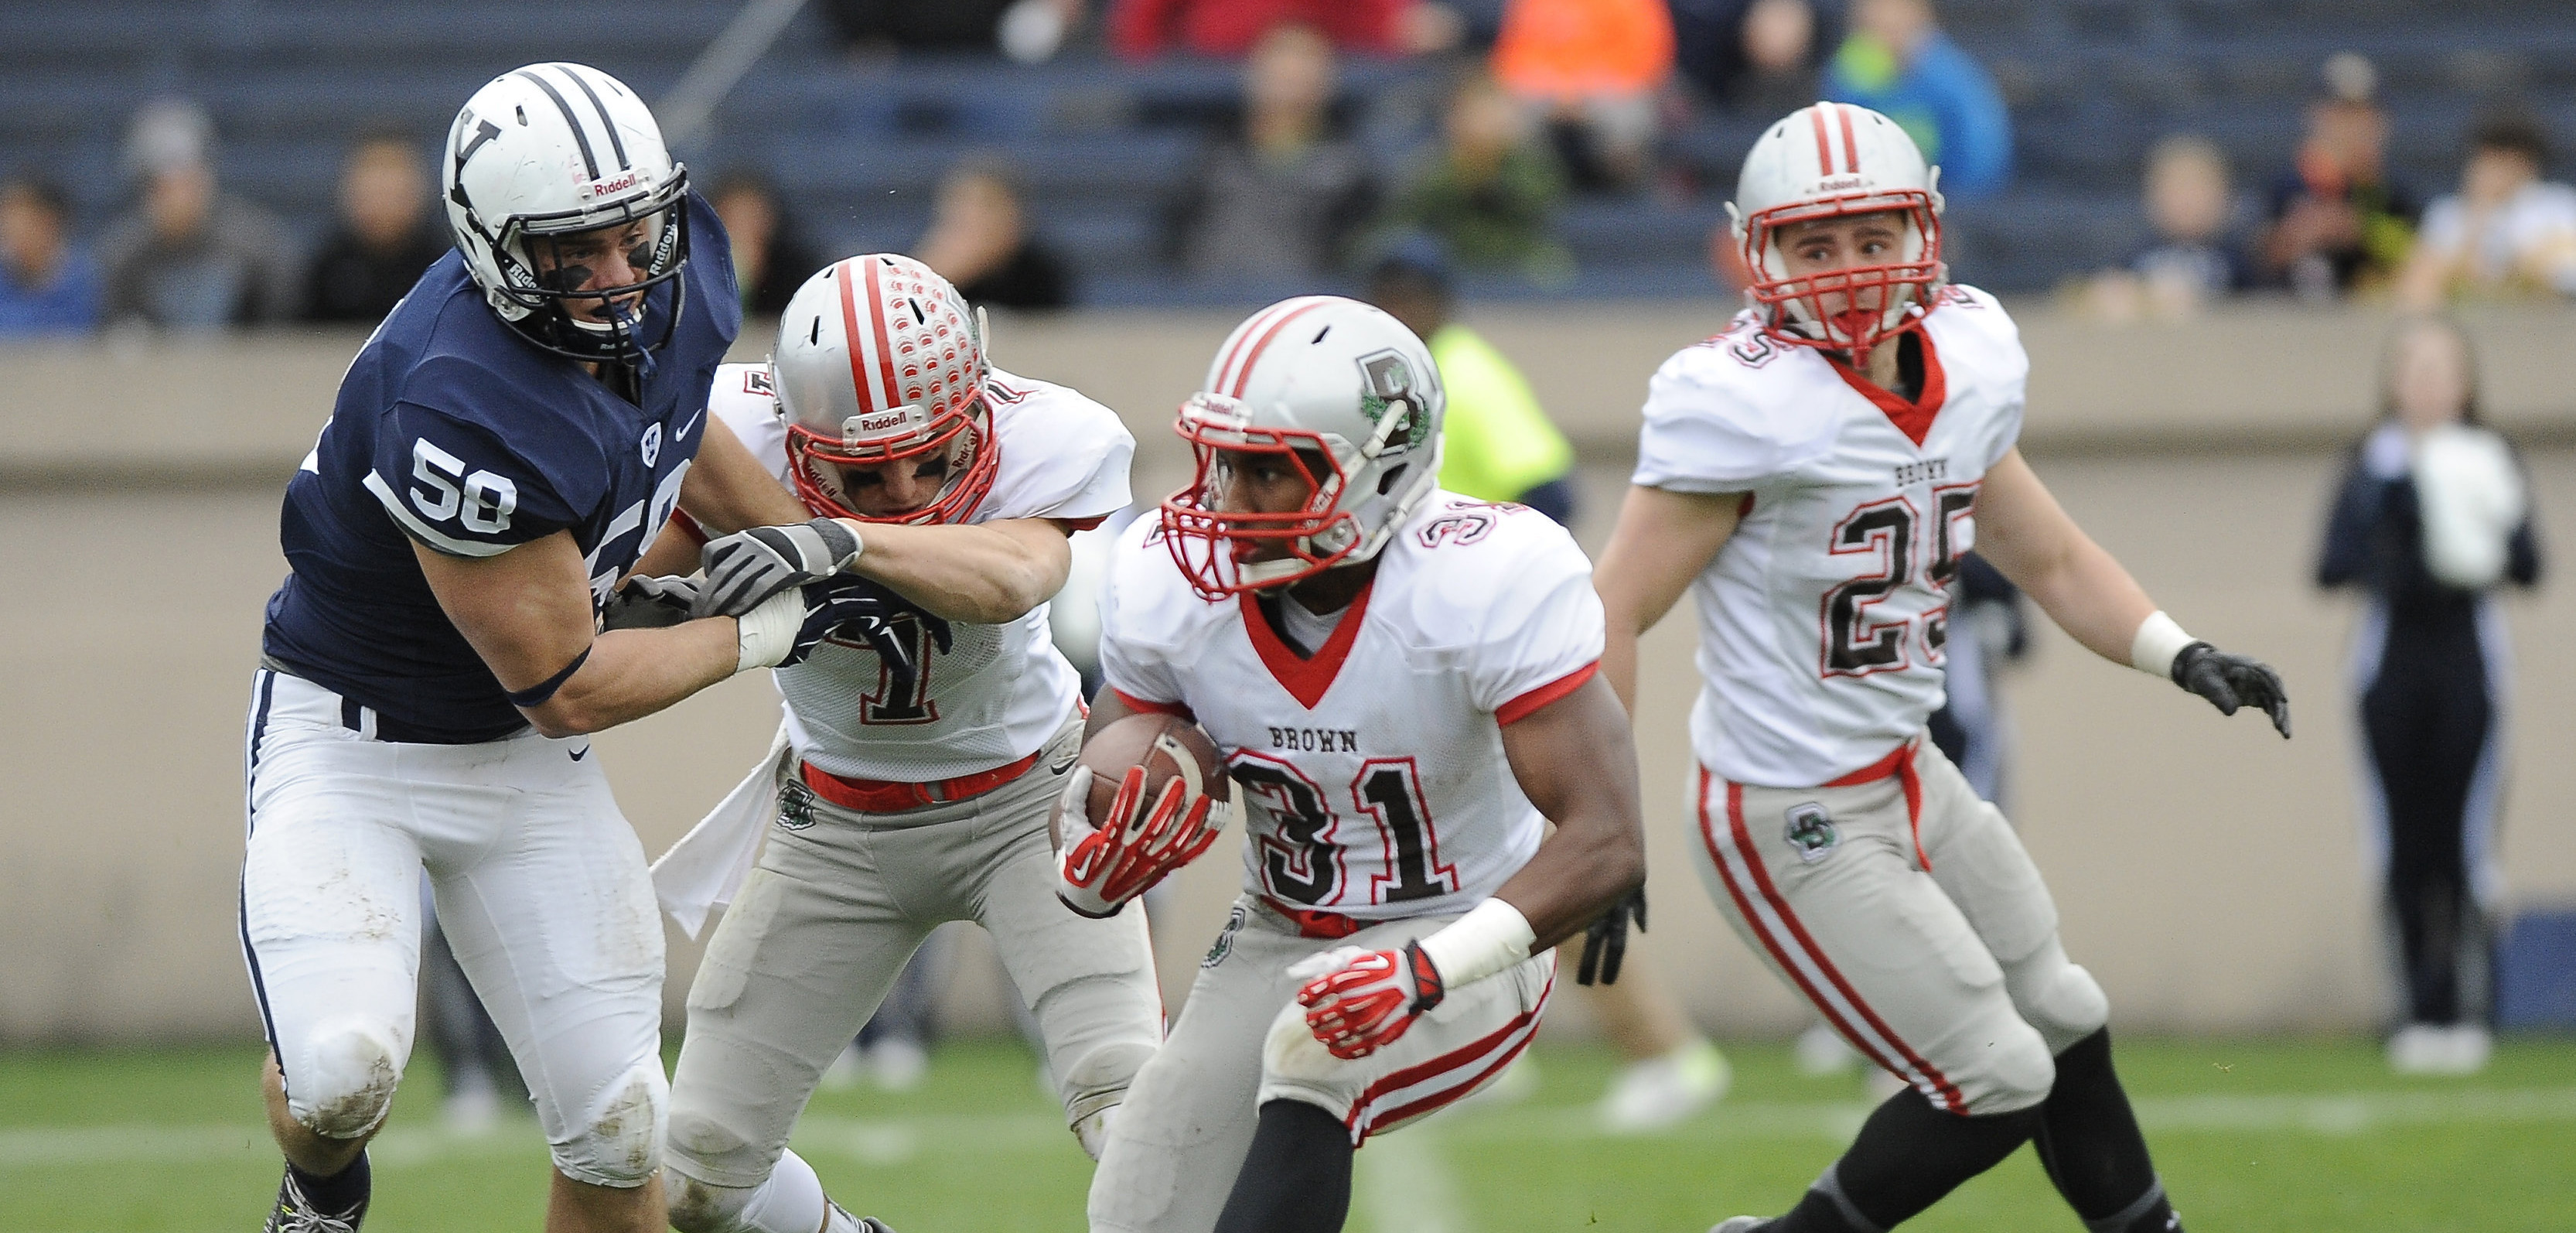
pixel 581 753
pixel 693 422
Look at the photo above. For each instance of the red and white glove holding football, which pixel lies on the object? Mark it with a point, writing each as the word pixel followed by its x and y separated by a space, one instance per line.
pixel 1100 868
pixel 1360 1001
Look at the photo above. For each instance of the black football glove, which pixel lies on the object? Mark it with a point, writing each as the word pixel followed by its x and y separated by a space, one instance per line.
pixel 2231 681
pixel 649 602
pixel 747 567
pixel 1605 944
pixel 858 608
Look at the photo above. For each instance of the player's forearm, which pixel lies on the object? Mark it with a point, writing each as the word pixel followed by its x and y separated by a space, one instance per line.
pixel 1577 874
pixel 2092 597
pixel 983 575
pixel 727 490
pixel 631 673
pixel 1619 663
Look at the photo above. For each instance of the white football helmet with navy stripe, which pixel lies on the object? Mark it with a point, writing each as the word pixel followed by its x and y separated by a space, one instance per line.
pixel 547 151
pixel 1825 161
pixel 1348 395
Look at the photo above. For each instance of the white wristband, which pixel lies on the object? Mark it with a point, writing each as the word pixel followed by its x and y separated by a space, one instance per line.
pixel 768 632
pixel 2158 640
pixel 1490 937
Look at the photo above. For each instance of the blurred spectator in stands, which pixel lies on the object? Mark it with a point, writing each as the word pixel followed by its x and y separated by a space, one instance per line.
pixel 1497 443
pixel 191 257
pixel 48 285
pixel 1142 29
pixel 1284 198
pixel 770 260
pixel 1029 31
pixel 980 240
pixel 2505 233
pixel 1897 62
pixel 1592 69
pixel 384 239
pixel 2192 260
pixel 1491 194
pixel 2337 221
pixel 1760 57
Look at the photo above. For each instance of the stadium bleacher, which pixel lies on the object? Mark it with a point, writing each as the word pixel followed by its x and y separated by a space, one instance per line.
pixel 2092 84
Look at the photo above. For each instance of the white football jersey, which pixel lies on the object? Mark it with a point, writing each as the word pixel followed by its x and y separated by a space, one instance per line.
pixel 998 691
pixel 1822 621
pixel 1373 772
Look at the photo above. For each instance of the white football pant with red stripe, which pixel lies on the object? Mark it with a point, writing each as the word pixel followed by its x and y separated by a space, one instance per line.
pixel 1242 1041
pixel 1907 913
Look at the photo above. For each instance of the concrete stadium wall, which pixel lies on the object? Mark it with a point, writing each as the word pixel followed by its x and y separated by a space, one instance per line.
pixel 2210 875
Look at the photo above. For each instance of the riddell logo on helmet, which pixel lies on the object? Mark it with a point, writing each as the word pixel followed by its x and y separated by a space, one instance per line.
pixel 1837 184
pixel 882 421
pixel 609 184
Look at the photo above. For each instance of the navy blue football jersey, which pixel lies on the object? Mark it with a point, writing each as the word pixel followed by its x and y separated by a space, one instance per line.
pixel 454 432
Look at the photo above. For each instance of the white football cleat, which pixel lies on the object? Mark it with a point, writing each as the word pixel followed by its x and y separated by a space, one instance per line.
pixel 1663 1091
pixel 1822 1051
pixel 846 1070
pixel 898 1063
pixel 1739 1224
pixel 2440 1049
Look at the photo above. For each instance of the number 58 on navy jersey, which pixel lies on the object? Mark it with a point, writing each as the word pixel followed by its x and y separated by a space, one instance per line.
pixel 453 432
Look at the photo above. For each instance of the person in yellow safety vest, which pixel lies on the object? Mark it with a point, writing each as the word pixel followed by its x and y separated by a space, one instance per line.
pixel 1500 445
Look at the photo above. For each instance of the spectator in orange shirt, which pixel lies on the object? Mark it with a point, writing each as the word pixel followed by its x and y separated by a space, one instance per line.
pixel 1143 29
pixel 1592 69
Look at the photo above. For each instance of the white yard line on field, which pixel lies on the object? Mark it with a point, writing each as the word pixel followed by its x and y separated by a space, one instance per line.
pixel 894 1141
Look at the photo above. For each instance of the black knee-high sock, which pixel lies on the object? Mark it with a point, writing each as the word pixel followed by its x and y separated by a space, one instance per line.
pixel 1296 1178
pixel 1907 1155
pixel 2090 1144
pixel 343 1194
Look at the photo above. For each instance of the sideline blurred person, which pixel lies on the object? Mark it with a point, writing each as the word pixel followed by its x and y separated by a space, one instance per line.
pixel 2505 233
pixel 191 257
pixel 2433 516
pixel 1143 29
pixel 1897 62
pixel 1490 194
pixel 383 238
pixel 1498 444
pixel 2192 262
pixel 1282 199
pixel 1590 69
pixel 770 259
pixel 980 241
pixel 1754 56
pixel 2337 221
pixel 48 284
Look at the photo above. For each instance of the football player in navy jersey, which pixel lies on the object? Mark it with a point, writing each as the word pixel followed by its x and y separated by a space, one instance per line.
pixel 501 452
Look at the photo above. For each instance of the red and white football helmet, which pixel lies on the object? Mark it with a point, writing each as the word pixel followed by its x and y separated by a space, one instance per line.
pixel 1328 383
pixel 879 360
pixel 1826 161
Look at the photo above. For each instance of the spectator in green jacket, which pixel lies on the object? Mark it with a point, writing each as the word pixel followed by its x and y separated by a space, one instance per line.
pixel 1492 192
pixel 1499 444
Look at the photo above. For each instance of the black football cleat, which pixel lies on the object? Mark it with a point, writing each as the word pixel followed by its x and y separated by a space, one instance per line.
pixel 295 1213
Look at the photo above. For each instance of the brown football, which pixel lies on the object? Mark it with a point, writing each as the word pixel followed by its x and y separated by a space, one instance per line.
pixel 1156 742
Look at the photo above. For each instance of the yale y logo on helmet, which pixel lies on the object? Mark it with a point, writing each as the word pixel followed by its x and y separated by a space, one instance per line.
pixel 1351 398
pixel 878 361
pixel 551 156
pixel 1834 160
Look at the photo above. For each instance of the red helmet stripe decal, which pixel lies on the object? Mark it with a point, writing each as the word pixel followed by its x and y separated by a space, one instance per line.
pixel 1851 148
pixel 1225 370
pixel 1243 375
pixel 1824 140
pixel 850 327
pixel 885 350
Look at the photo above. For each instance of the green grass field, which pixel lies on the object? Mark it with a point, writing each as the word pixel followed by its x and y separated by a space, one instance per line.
pixel 2249 1135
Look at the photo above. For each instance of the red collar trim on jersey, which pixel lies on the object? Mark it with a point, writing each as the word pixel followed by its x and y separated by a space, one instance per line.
pixel 1305 679
pixel 1914 419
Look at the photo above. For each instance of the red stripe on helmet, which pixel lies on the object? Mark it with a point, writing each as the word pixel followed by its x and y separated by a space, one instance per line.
pixel 1243 375
pixel 885 349
pixel 1824 140
pixel 1225 370
pixel 850 329
pixel 1851 148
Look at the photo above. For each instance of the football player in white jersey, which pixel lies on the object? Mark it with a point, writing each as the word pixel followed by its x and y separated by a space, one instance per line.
pixel 912 789
pixel 1811 477
pixel 1403 685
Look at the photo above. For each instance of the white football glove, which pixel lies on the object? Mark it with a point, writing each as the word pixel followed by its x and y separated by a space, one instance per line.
pixel 1098 869
pixel 747 567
